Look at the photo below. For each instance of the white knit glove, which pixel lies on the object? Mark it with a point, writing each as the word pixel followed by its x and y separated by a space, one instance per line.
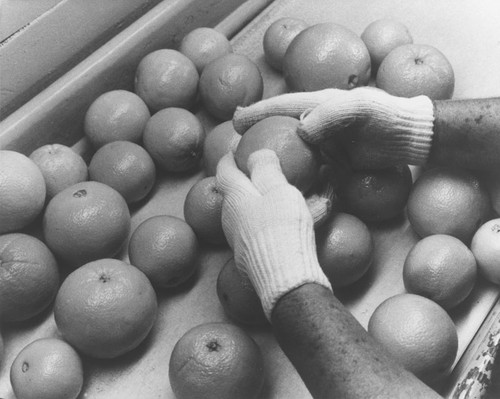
pixel 269 227
pixel 376 128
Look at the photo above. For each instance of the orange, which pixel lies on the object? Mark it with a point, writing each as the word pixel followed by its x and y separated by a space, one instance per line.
pixel 376 195
pixel 29 277
pixel 299 161
pixel 447 200
pixel 47 368
pixel 441 268
pixel 126 167
pixel 85 222
pixel 278 37
pixel 116 115
pixel 382 36
pixel 167 78
pixel 493 185
pixel 324 56
pixel 216 361
pixel 485 246
pixel 166 249
pixel 219 141
pixel 203 210
pixel 22 191
pixel 61 167
pixel 416 69
pixel 238 296
pixel 203 45
pixel 174 138
pixel 105 308
pixel 345 249
pixel 230 81
pixel 418 333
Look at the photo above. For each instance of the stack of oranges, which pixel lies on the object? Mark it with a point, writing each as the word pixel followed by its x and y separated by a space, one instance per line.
pixel 85 212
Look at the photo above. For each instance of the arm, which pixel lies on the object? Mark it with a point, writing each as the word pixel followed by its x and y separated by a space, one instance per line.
pixel 378 129
pixel 333 353
pixel 467 133
pixel 270 229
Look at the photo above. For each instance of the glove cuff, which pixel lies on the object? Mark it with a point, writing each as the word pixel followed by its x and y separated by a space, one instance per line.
pixel 275 272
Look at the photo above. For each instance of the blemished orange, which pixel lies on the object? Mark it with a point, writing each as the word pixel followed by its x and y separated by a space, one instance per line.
pixel 299 161
pixel 416 69
pixel 29 277
pixel 447 200
pixel 418 333
pixel 485 246
pixel 116 115
pixel 203 45
pixel 382 36
pixel 174 138
pixel 22 191
pixel 326 55
pixel 167 78
pixel 166 249
pixel 278 37
pixel 376 195
pixel 441 268
pixel 125 166
pixel 345 248
pixel 216 361
pixel 238 296
pixel 85 222
pixel 228 82
pixel 203 211
pixel 105 308
pixel 47 368
pixel 222 139
pixel 61 167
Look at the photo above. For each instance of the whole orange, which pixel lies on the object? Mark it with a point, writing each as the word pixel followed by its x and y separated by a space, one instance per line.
pixel 219 141
pixel 447 200
pixel 22 191
pixel 105 308
pixel 29 277
pixel 228 82
pixel 382 36
pixel 416 69
pixel 167 78
pixel 345 249
pixel 127 167
pixel 61 167
pixel 203 45
pixel 441 268
pixel 278 37
pixel 216 361
pixel 174 138
pixel 166 249
pixel 298 160
pixel 116 115
pixel 326 55
pixel 203 210
pixel 376 195
pixel 418 333
pixel 47 368
pixel 485 246
pixel 85 222
pixel 238 296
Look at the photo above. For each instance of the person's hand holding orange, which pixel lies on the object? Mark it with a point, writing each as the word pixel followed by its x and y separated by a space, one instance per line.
pixel 269 227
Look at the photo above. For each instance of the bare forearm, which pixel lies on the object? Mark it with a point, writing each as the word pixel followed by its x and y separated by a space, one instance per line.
pixel 333 353
pixel 467 133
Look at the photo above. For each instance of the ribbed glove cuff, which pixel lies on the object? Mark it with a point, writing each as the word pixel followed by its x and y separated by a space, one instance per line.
pixel 275 273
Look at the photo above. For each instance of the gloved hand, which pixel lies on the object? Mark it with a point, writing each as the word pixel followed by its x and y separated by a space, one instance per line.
pixel 376 128
pixel 269 227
